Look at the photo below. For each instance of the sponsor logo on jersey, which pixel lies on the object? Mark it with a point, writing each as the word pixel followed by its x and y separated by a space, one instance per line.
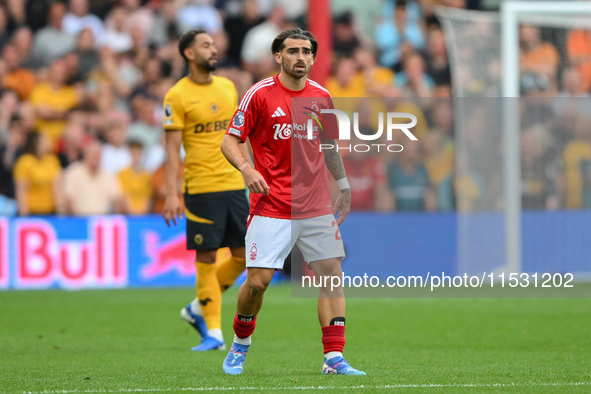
pixel 278 112
pixel 238 119
pixel 282 131
pixel 218 125
pixel 253 252
pixel 167 122
pixel 168 111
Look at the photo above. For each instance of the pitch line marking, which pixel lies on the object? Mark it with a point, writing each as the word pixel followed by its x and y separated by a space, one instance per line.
pixel 360 387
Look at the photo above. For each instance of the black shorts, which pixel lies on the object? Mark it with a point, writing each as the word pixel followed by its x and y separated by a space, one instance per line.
pixel 216 220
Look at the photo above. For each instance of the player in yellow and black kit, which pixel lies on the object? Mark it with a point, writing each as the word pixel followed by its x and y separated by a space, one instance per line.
pixel 197 111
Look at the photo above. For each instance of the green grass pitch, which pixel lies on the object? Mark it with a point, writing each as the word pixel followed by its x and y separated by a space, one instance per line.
pixel 133 341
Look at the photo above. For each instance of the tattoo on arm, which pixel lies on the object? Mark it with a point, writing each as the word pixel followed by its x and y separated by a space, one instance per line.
pixel 334 161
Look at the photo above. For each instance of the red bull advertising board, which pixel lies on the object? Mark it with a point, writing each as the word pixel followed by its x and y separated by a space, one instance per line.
pixel 95 252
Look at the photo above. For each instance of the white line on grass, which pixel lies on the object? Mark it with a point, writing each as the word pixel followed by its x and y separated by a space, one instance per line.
pixel 360 387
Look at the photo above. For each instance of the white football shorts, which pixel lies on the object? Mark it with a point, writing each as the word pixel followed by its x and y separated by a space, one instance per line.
pixel 269 240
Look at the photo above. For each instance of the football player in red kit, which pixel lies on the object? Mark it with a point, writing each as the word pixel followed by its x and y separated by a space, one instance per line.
pixel 290 201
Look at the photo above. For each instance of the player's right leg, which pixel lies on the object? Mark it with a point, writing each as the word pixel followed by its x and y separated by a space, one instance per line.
pixel 205 229
pixel 268 242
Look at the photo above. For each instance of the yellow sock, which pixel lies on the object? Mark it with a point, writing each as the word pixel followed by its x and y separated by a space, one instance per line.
pixel 228 270
pixel 209 294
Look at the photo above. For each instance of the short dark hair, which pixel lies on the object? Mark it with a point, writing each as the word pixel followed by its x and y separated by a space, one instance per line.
pixel 187 39
pixel 295 33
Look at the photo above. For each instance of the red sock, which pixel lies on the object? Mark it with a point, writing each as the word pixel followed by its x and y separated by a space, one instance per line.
pixel 244 329
pixel 333 338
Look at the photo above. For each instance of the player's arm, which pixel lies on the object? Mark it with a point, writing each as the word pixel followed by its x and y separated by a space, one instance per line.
pixel 334 163
pixel 231 148
pixel 172 204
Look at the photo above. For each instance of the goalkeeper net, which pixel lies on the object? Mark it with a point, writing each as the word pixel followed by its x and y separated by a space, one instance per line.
pixel 554 114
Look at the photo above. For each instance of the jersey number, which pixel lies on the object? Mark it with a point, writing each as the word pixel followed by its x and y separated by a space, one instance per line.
pixel 337 234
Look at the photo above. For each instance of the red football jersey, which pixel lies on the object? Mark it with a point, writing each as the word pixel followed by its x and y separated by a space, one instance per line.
pixel 291 163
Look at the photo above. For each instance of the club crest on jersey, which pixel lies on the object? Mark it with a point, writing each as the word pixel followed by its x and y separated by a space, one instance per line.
pixel 168 111
pixel 282 131
pixel 238 119
pixel 214 108
pixel 253 252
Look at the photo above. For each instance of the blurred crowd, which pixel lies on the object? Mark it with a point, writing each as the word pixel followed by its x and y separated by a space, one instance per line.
pixel 82 84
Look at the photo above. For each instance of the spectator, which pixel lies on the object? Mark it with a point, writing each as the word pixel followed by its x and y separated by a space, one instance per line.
pixel 578 49
pixel 571 100
pixel 137 16
pixel 375 78
pixel 463 190
pixel 413 79
pixel 393 34
pixel 409 181
pixel 88 189
pixel 17 13
pixel 255 54
pixel 576 152
pixel 37 177
pixel 136 183
pixel 79 18
pixel 23 41
pixel 538 190
pixel 87 55
pixel 52 100
pixel 116 38
pixel 53 41
pixel 72 144
pixel 537 57
pixel 345 41
pixel 10 151
pixel 437 62
pixel 439 157
pixel 346 81
pixel 238 26
pixel 17 78
pixel 199 14
pixel 9 107
pixel 115 154
pixel 165 27
pixel 4 33
pixel 145 128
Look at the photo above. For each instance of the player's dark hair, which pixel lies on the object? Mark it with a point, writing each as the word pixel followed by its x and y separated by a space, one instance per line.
pixel 297 34
pixel 187 39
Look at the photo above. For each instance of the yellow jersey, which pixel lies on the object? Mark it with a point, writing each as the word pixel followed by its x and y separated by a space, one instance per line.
pixel 137 188
pixel 203 111
pixel 62 99
pixel 40 176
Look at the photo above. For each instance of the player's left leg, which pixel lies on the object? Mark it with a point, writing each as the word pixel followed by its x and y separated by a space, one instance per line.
pixel 331 314
pixel 322 247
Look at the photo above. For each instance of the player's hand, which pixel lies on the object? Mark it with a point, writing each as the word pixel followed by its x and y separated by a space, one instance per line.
pixel 342 204
pixel 255 181
pixel 172 209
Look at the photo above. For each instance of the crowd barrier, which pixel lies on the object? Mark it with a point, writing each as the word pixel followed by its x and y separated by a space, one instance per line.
pixel 118 251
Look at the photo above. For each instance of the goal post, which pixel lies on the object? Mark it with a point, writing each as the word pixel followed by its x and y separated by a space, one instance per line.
pixel 494 37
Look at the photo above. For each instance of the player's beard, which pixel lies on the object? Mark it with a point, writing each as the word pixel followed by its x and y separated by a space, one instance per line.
pixel 294 72
pixel 208 65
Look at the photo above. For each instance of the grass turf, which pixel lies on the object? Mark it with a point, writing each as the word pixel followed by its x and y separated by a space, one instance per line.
pixel 127 340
